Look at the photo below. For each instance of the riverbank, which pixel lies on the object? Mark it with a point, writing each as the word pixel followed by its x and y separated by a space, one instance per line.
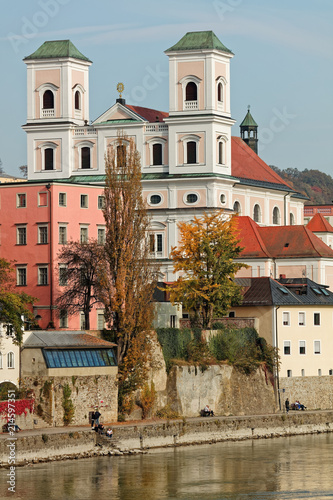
pixel 51 444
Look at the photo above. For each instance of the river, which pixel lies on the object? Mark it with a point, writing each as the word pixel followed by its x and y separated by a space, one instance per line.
pixel 290 468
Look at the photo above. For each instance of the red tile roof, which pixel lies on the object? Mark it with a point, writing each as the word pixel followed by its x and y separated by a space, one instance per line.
pixel 151 115
pixel 246 164
pixel 279 241
pixel 318 224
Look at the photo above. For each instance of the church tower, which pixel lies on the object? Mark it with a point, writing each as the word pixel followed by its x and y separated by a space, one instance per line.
pixel 58 102
pixel 249 131
pixel 199 111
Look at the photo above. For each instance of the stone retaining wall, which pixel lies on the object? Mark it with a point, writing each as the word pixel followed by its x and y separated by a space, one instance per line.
pixel 314 392
pixel 141 437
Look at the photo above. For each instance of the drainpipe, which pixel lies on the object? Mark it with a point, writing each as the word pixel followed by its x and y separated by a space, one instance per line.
pixel 51 323
pixel 276 344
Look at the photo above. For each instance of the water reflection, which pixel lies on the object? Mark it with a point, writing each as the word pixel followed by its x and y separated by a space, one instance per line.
pixel 286 468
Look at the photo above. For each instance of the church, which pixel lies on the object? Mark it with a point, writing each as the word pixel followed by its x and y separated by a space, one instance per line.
pixel 190 160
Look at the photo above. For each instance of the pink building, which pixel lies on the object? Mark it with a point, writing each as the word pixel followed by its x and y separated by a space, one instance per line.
pixel 36 220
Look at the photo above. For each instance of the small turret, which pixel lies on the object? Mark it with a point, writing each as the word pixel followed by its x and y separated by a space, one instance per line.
pixel 249 131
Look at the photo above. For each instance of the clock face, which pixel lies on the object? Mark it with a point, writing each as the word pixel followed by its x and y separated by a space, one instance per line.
pixel 120 87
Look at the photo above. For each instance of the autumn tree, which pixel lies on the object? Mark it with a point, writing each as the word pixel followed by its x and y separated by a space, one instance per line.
pixel 205 256
pixel 130 276
pixel 79 277
pixel 14 306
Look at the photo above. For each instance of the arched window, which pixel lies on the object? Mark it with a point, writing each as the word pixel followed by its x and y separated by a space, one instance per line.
pixel 48 159
pixel 220 92
pixel 191 147
pixel 256 213
pixel 221 153
pixel 85 157
pixel 191 92
pixel 276 215
pixel 77 100
pixel 237 207
pixel 10 360
pixel 48 99
pixel 292 219
pixel 157 154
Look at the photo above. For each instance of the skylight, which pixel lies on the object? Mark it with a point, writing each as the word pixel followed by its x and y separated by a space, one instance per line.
pixel 316 290
pixel 283 290
pixel 325 292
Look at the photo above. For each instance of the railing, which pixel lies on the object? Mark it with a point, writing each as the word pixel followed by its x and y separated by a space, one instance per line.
pixel 85 131
pixel 47 112
pixel 156 128
pixel 191 104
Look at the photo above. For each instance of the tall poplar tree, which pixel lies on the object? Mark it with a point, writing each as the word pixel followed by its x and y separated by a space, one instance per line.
pixel 205 256
pixel 130 276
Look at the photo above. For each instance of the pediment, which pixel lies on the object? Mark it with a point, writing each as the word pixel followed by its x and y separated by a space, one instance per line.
pixel 117 112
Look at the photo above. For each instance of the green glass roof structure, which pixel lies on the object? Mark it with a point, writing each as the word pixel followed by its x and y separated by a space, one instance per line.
pixel 57 49
pixel 198 40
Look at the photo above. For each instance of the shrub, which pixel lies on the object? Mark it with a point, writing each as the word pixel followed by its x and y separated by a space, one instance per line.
pixel 147 399
pixel 167 413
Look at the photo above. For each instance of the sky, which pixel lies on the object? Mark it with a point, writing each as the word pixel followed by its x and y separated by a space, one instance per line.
pixel 282 68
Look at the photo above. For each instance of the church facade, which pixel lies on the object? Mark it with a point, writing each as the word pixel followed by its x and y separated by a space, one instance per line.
pixel 190 161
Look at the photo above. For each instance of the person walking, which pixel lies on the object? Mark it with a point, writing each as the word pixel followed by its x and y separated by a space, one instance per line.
pixel 287 405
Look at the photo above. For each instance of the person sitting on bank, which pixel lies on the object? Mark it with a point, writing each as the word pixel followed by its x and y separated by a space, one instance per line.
pixel 99 428
pixel 300 406
pixel 109 433
pixel 208 411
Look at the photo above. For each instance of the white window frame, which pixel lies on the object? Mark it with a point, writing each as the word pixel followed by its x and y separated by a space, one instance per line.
pixel 151 142
pixel 158 241
pixel 86 228
pixel 65 199
pixel 100 202
pixel 260 213
pixel 185 140
pixel 240 207
pixel 314 324
pixel 18 204
pixel 300 322
pixel 314 347
pixel 18 269
pixel 41 275
pixel 188 203
pixel 184 81
pixel 278 216
pixel 82 321
pixel 286 322
pixel 10 360
pixel 99 229
pixel 39 239
pixel 78 88
pixel 47 113
pixel 86 197
pixel 287 343
pixel 300 346
pixel 61 281
pixel 155 204
pixel 85 144
pixel 18 228
pixel 99 314
pixel 47 199
pixel 222 140
pixel 48 145
pixel 221 80
pixel 223 198
pixel 63 319
pixel 62 226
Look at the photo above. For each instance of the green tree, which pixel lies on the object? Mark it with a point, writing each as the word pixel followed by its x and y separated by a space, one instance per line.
pixel 14 306
pixel 205 257
pixel 130 276
pixel 79 277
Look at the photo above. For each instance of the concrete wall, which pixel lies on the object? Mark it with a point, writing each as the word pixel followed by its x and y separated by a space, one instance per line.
pixel 224 389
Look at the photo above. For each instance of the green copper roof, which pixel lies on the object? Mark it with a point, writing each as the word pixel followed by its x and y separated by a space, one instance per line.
pixel 248 121
pixel 55 49
pixel 194 40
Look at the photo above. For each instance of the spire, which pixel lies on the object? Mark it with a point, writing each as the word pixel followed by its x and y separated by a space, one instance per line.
pixel 249 131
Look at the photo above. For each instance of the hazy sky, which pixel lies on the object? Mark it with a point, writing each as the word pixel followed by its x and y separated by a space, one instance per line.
pixel 282 66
